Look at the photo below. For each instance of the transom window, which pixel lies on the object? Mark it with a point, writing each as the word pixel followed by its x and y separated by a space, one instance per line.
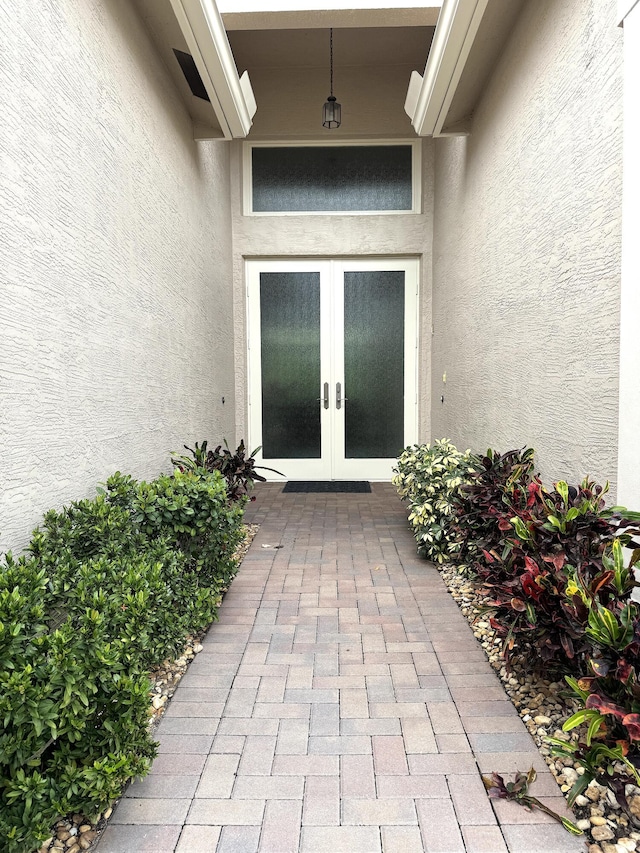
pixel 356 178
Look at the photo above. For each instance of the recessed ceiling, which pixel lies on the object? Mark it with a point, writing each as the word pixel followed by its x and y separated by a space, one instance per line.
pixel 373 46
pixel 291 67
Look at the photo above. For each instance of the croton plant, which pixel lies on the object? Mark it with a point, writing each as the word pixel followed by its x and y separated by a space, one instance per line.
pixel 551 563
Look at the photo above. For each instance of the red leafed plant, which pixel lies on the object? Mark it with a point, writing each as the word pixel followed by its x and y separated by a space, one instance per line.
pixel 238 467
pixel 553 570
pixel 500 486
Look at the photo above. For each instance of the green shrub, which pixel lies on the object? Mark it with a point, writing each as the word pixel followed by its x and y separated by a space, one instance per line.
pixel 428 477
pixel 75 723
pixel 112 586
pixel 191 508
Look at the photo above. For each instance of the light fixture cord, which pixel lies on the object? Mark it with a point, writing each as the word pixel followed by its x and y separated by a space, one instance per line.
pixel 331 57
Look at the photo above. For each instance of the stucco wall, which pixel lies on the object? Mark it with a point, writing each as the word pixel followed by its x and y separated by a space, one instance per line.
pixel 116 303
pixel 327 237
pixel 527 248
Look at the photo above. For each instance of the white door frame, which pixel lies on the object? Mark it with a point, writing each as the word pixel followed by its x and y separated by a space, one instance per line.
pixel 332 465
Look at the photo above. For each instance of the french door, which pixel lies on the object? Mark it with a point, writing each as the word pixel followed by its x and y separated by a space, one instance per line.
pixel 332 365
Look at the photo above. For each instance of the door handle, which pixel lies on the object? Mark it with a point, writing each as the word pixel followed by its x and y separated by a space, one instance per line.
pixel 325 398
pixel 339 398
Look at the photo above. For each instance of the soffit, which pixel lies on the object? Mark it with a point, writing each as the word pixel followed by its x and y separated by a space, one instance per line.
pixel 309 48
pixel 403 41
pixel 165 32
pixel 497 22
pixel 376 38
pixel 289 70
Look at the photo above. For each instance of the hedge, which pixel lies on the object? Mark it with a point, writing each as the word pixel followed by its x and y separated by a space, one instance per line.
pixel 107 590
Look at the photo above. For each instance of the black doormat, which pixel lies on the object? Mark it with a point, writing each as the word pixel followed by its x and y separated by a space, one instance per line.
pixel 327 486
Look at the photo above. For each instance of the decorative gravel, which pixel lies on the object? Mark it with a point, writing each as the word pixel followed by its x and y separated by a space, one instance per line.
pixel 544 706
pixel 77 833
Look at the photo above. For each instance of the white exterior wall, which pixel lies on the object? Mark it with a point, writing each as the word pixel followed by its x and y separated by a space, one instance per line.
pixel 327 237
pixel 527 249
pixel 629 454
pixel 115 257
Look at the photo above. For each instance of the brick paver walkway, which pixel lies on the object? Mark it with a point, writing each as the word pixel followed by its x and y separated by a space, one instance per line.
pixel 340 704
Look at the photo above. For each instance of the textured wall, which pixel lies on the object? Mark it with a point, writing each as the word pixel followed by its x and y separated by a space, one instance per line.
pixel 115 258
pixel 527 248
pixel 326 237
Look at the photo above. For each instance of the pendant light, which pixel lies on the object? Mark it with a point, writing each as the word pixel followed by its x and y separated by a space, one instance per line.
pixel 332 110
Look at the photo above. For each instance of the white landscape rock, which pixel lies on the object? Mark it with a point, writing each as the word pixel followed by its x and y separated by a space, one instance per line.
pixel 541 707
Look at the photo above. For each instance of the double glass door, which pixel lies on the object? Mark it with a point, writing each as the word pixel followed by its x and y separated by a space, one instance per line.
pixel 332 365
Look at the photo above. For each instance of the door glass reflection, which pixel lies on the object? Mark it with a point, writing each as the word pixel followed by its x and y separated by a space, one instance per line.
pixel 374 363
pixel 290 341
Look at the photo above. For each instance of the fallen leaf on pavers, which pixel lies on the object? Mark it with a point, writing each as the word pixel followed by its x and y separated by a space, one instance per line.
pixel 518 791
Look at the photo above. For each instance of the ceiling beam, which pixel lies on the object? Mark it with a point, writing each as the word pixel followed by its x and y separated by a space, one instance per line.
pixel 244 6
pixel 425 15
pixel 430 95
pixel 231 96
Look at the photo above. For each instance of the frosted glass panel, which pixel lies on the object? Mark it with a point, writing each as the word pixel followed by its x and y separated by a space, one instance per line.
pixel 353 177
pixel 374 363
pixel 290 337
